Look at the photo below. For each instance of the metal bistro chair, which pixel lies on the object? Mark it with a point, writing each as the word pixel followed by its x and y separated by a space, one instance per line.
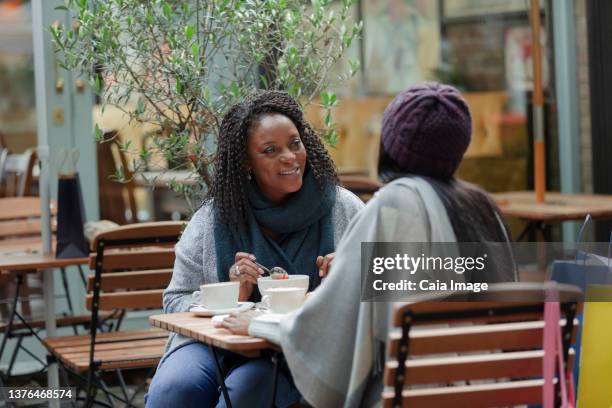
pixel 133 265
pixel 496 341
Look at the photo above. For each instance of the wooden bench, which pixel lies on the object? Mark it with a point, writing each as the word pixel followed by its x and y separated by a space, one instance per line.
pixel 133 265
pixel 493 344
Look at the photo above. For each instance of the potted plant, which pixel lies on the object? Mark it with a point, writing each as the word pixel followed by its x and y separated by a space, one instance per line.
pixel 180 64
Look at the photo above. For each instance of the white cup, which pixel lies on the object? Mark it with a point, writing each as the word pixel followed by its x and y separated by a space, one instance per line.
pixel 284 300
pixel 295 281
pixel 222 295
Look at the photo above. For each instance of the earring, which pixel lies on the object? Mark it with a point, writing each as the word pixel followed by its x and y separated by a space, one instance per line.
pixel 249 174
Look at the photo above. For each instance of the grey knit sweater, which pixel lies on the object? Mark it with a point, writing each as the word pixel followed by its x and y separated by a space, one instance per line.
pixel 196 265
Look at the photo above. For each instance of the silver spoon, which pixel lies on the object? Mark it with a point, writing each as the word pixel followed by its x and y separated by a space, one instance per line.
pixel 277 270
pixel 266 270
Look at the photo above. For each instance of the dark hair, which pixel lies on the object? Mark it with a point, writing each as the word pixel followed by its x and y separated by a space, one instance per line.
pixel 230 183
pixel 388 169
pixel 473 215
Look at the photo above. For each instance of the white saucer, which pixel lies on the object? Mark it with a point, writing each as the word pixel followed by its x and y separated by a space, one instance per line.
pixel 201 311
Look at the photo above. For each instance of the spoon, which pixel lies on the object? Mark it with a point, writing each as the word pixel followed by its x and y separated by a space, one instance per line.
pixel 266 270
pixel 277 270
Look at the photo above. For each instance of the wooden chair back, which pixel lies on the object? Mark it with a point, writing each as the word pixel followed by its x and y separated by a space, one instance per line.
pixel 115 198
pixel 18 175
pixel 20 224
pixel 133 265
pixel 20 217
pixel 442 345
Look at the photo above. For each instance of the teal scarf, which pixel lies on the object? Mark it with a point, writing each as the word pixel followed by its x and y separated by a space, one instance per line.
pixel 304 223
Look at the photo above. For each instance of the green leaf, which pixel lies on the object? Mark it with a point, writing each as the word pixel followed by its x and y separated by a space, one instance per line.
pixel 96 84
pixel 333 137
pixel 195 50
pixel 179 86
pixel 324 98
pixel 329 99
pixel 119 175
pixel 61 8
pixel 234 89
pixel 145 154
pixel 167 10
pixel 354 67
pixel 98 134
pixel 189 31
pixel 328 119
pixel 125 146
pixel 293 57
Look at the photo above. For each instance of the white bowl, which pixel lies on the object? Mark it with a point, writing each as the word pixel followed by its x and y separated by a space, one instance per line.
pixel 294 281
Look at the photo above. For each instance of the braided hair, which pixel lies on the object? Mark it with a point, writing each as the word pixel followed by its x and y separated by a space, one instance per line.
pixel 229 189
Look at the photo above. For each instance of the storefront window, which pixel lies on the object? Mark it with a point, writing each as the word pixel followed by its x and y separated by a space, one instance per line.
pixel 484 48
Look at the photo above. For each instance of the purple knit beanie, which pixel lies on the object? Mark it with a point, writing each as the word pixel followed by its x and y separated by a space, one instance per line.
pixel 426 129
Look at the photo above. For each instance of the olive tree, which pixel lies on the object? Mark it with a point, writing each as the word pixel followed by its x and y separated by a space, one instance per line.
pixel 180 64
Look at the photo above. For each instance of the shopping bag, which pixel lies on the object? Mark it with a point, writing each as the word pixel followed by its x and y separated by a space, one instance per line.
pixel 553 362
pixel 71 242
pixel 586 270
pixel 594 385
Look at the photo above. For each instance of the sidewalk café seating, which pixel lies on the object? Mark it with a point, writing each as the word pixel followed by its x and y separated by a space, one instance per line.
pixel 133 264
pixel 21 300
pixel 477 350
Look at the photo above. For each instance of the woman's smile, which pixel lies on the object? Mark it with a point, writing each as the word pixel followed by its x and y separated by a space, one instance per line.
pixel 292 172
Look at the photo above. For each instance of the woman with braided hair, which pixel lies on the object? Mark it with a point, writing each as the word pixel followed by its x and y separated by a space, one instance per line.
pixel 275 199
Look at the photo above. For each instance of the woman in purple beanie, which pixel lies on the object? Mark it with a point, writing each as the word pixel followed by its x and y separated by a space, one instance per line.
pixel 425 133
pixel 334 344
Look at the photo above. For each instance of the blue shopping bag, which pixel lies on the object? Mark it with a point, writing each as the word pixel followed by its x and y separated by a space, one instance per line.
pixel 587 269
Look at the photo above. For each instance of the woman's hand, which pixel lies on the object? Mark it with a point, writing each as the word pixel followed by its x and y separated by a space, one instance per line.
pixel 237 323
pixel 324 263
pixel 246 272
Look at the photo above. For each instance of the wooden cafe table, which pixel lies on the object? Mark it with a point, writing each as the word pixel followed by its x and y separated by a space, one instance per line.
pixel 25 254
pixel 202 330
pixel 20 254
pixel 557 207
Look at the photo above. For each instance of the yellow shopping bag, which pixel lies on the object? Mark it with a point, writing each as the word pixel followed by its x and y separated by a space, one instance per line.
pixel 595 382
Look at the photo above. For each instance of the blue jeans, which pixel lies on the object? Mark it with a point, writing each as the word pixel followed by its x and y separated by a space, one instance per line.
pixel 188 378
